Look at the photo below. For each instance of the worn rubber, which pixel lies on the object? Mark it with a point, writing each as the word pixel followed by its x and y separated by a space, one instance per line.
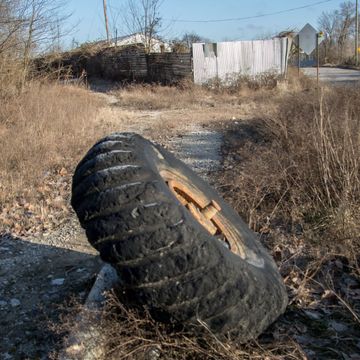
pixel 165 259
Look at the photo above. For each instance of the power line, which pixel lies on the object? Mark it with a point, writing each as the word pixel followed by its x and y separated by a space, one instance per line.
pixel 251 17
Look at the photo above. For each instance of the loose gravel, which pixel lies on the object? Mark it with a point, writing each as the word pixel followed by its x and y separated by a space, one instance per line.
pixel 200 149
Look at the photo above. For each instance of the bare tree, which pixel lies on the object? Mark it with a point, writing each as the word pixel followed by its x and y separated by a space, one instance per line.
pixel 143 17
pixel 12 22
pixel 42 28
pixel 184 44
pixel 191 38
pixel 347 20
pixel 338 27
pixel 33 24
pixel 329 24
pixel 27 27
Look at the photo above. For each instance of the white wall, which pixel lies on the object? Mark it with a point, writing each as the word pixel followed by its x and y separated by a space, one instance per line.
pixel 140 39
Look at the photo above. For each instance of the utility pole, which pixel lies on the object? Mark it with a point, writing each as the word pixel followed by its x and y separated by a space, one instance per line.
pixel 298 53
pixel 357 34
pixel 106 22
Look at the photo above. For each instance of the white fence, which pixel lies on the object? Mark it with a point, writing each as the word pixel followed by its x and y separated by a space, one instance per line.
pixel 228 59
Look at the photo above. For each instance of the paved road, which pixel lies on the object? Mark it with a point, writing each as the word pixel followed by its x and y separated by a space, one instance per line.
pixel 336 76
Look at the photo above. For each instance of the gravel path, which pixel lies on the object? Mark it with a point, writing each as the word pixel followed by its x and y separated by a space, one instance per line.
pixel 199 149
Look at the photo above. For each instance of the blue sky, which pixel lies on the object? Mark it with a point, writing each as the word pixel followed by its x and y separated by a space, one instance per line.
pixel 88 17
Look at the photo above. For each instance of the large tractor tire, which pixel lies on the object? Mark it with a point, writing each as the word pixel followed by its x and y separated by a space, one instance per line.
pixel 178 247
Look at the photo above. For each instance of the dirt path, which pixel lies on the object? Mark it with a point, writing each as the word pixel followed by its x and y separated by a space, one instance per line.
pixel 199 148
pixel 38 276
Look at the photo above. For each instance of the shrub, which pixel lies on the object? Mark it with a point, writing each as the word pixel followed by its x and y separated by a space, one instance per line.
pixel 305 171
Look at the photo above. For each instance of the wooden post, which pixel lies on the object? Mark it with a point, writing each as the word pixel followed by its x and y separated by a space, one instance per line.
pixel 317 59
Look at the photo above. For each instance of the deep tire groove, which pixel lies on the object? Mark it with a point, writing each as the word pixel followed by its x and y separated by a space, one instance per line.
pixel 115 200
pixel 104 161
pixel 106 180
pixel 170 249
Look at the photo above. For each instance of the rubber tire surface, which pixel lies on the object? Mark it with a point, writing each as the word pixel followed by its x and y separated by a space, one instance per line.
pixel 165 259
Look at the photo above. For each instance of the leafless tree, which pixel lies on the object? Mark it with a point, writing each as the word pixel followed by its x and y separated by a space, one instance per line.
pixel 42 27
pixel 338 27
pixel 184 44
pixel 28 27
pixel 143 17
pixel 347 21
pixel 34 24
pixel 329 23
pixel 12 21
pixel 190 38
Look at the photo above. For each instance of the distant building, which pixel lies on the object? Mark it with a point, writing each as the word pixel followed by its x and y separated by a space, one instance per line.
pixel 156 45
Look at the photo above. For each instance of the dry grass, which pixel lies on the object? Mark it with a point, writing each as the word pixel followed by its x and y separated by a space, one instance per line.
pixel 136 335
pixel 125 333
pixel 233 84
pixel 318 135
pixel 10 76
pixel 45 127
pixel 157 97
pixel 186 95
pixel 44 131
pixel 299 166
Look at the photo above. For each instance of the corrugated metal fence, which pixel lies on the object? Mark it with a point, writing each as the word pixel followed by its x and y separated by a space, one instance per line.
pixel 228 60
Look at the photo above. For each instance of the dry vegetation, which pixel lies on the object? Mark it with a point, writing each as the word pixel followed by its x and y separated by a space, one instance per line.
pixel 43 132
pixel 186 95
pixel 157 97
pixel 291 168
pixel 45 127
pixel 134 334
pixel 293 173
pixel 300 164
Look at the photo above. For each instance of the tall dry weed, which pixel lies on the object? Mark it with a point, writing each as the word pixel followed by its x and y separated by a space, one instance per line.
pixel 304 171
pixel 10 76
pixel 318 135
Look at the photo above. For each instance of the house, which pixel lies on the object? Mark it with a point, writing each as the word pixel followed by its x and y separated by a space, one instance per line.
pixel 156 45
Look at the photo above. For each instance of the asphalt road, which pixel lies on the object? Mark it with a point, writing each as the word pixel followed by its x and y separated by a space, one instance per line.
pixel 335 76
